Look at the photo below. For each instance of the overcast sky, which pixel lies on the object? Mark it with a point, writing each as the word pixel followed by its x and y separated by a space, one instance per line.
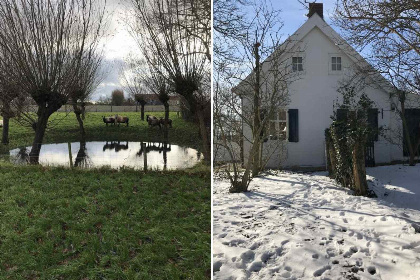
pixel 119 44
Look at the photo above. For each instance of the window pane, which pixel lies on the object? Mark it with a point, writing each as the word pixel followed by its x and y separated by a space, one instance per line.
pixel 294 59
pixel 334 67
pixel 300 67
pixel 294 67
pixel 282 115
pixel 338 67
pixel 333 59
pixel 282 130
pixel 273 130
pixel 338 59
pixel 299 59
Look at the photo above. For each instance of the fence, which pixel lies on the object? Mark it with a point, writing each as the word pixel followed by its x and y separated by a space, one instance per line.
pixel 110 108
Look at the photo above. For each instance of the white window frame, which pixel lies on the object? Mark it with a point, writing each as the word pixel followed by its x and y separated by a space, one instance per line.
pixel 330 64
pixel 336 63
pixel 277 122
pixel 297 64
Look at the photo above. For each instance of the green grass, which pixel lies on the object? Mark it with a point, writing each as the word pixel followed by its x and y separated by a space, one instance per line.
pixel 64 128
pixel 60 223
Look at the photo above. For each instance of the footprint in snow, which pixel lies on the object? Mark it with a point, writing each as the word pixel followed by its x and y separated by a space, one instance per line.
pixel 288 268
pixel 247 256
pixel 315 256
pixel 350 252
pixel 361 218
pixel 256 266
pixel 281 251
pixel 217 265
pixel 321 271
pixel 371 270
pixel 266 256
pixel 222 235
pixel 284 242
pixel 342 213
pixel 254 246
pixel 330 252
pixel 345 221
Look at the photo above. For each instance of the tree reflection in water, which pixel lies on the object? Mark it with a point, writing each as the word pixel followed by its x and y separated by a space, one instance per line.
pixel 115 145
pixel 146 148
pixel 82 159
pixel 22 157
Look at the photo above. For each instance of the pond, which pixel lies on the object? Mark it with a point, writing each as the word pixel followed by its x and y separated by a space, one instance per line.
pixel 113 154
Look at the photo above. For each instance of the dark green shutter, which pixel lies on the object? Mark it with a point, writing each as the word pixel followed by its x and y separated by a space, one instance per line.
pixel 293 125
pixel 412 117
pixel 373 122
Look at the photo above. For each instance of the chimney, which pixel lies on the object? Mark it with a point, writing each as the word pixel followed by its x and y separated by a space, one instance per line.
pixel 316 8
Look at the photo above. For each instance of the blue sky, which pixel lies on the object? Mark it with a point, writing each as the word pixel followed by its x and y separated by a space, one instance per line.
pixel 294 14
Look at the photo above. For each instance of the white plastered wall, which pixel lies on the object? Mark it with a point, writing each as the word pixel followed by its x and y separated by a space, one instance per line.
pixel 314 94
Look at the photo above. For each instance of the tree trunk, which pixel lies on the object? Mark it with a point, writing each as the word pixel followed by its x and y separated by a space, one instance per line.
pixel 242 186
pixel 257 122
pixel 41 126
pixel 166 105
pixel 6 117
pixel 142 112
pixel 329 147
pixel 78 112
pixel 408 143
pixel 5 137
pixel 81 127
pixel 359 168
pixel 204 135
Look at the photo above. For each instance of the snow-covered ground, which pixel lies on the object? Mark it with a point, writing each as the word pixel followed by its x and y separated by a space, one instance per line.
pixel 304 226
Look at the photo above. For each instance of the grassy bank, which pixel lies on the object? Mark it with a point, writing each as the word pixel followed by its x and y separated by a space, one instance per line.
pixel 58 223
pixel 64 128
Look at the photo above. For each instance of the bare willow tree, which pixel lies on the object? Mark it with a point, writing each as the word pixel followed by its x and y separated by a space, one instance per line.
pixel 390 31
pixel 229 21
pixel 259 74
pixel 8 97
pixel 88 79
pixel 131 77
pixel 158 84
pixel 46 41
pixel 197 22
pixel 139 78
pixel 163 30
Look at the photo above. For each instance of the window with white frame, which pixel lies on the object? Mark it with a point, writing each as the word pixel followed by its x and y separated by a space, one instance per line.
pixel 277 127
pixel 336 63
pixel 297 63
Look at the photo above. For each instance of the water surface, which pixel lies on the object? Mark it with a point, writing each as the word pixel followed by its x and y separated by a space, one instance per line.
pixel 137 155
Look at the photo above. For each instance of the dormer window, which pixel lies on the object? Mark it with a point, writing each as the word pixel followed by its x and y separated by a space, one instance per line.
pixel 336 63
pixel 297 63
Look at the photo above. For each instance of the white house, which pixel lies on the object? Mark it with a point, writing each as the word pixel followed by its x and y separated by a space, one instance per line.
pixel 322 59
